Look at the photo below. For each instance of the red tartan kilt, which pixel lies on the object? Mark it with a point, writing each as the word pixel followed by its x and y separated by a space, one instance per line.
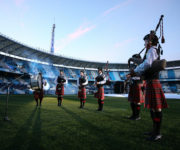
pixel 100 93
pixel 154 95
pixel 82 93
pixel 59 91
pixel 38 94
pixel 135 94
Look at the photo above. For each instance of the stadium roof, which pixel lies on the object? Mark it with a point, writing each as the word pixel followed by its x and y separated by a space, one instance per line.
pixel 12 47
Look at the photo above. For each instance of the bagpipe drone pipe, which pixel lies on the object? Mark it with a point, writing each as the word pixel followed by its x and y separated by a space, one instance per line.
pixel 158 64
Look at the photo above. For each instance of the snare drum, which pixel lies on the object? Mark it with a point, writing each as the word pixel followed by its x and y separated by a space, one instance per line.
pixel 34 83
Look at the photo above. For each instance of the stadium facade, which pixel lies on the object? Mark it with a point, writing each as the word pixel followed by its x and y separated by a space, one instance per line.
pixel 17 59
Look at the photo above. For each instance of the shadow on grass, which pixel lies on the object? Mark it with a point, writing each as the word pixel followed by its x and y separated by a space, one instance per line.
pixel 14 103
pixel 22 135
pixel 117 102
pixel 35 142
pixel 100 136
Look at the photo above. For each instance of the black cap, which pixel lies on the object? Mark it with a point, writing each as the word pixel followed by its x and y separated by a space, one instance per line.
pixel 151 38
pixel 100 69
pixel 82 71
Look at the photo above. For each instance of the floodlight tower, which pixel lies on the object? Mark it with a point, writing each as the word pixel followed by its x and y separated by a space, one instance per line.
pixel 52 40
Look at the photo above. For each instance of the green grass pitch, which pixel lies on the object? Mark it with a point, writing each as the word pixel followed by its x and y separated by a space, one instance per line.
pixel 68 127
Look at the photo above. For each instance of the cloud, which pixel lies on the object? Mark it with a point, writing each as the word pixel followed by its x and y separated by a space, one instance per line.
pixel 79 32
pixel 126 2
pixel 73 36
pixel 19 2
pixel 124 43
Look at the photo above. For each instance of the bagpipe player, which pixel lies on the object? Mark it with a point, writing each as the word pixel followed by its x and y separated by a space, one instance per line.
pixel 39 93
pixel 154 96
pixel 100 80
pixel 135 96
pixel 61 80
pixel 82 83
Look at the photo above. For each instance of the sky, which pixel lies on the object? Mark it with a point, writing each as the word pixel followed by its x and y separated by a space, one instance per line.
pixel 93 30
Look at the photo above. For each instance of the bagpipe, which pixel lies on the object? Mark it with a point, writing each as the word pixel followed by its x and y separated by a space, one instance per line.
pixel 157 65
pixel 81 81
pixel 61 80
pixel 99 79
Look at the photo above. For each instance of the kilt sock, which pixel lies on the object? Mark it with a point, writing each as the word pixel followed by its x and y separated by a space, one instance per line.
pixel 99 103
pixel 40 101
pixel 158 120
pixel 101 107
pixel 36 102
pixel 137 110
pixel 133 109
pixel 152 117
pixel 60 101
pixel 81 103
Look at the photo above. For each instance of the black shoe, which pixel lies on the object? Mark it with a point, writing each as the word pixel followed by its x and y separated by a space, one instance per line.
pixel 82 105
pixel 99 110
pixel 154 138
pixel 131 117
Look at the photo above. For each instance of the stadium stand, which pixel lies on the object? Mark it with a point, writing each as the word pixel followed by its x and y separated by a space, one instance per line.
pixel 17 58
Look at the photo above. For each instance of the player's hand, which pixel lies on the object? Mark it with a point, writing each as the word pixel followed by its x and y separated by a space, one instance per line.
pixel 132 72
pixel 128 76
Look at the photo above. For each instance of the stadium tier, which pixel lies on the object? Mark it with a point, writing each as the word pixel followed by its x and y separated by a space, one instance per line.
pixel 17 59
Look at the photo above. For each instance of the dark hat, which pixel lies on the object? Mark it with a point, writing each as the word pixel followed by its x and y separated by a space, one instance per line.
pixel 151 38
pixel 82 71
pixel 100 68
